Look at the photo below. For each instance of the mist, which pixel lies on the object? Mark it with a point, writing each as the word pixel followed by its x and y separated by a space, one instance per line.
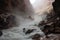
pixel 34 12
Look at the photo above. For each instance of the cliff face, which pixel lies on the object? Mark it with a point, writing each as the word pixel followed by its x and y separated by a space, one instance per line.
pixel 14 7
pixel 56 6
pixel 53 19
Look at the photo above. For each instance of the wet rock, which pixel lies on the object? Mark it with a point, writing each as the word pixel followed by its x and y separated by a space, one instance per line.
pixel 36 37
pixel 50 37
pixel 47 30
pixel 29 31
pixel 6 21
pixel 52 25
pixel 1 33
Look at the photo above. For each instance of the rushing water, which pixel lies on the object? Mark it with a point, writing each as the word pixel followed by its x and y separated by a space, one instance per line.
pixel 16 33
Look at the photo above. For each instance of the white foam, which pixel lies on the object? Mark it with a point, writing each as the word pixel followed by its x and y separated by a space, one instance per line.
pixel 17 33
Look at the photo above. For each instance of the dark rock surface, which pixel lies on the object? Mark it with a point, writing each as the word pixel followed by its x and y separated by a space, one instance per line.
pixel 6 21
pixel 28 31
pixel 36 37
pixel 52 25
pixel 1 33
